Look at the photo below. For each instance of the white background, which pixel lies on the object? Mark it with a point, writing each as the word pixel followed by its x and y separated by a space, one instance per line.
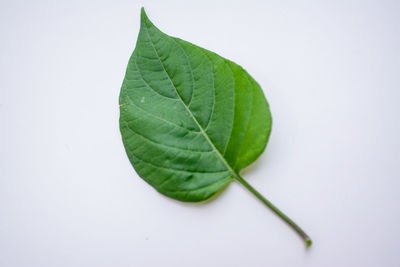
pixel 331 72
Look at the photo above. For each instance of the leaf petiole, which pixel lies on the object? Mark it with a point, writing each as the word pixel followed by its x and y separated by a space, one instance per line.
pixel 280 214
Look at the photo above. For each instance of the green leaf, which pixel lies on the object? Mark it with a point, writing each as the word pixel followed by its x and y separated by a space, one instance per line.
pixel 190 119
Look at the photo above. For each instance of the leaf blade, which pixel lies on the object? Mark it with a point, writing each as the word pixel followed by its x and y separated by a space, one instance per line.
pixel 201 93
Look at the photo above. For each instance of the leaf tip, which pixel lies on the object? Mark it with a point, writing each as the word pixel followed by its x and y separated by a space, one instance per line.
pixel 308 243
pixel 143 15
pixel 142 12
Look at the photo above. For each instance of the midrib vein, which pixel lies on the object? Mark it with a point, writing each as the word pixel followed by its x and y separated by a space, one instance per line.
pixel 234 174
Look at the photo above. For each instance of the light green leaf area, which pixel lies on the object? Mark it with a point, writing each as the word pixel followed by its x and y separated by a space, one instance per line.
pixel 190 119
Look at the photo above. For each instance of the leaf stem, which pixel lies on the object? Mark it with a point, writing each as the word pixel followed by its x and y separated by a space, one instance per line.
pixel 280 214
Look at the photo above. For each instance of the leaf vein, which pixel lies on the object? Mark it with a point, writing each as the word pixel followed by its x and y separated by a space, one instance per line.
pixel 191 71
pixel 168 146
pixel 174 169
pixel 193 117
pixel 148 85
pixel 157 117
pixel 234 98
